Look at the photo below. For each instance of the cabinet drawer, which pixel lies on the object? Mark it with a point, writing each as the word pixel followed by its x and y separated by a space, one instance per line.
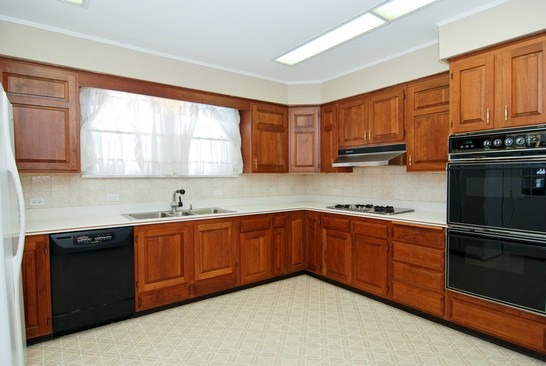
pixel 418 255
pixel 335 223
pixel 422 235
pixel 418 276
pixel 427 301
pixel 371 228
pixel 475 314
pixel 258 223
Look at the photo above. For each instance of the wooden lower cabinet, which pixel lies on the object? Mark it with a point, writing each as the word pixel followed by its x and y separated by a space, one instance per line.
pixel 295 257
pixel 313 233
pixel 163 264
pixel 37 286
pixel 516 326
pixel 417 267
pixel 256 249
pixel 336 236
pixel 215 256
pixel 369 256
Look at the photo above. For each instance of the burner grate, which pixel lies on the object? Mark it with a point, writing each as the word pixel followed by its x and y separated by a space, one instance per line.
pixel 369 208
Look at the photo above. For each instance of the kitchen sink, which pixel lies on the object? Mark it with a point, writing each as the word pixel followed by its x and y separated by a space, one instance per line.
pixel 170 214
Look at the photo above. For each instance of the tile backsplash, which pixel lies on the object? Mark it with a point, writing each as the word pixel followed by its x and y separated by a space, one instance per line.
pixel 381 183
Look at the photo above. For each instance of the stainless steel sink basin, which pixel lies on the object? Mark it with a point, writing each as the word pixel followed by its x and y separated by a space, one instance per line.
pixel 170 214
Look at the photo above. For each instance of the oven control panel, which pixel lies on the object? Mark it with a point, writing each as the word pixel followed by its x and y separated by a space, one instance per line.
pixel 528 141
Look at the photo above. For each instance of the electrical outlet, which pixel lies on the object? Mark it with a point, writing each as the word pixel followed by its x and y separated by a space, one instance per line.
pixel 37 201
pixel 112 197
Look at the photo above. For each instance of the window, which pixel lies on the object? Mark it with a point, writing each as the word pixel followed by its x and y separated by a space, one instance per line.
pixel 124 134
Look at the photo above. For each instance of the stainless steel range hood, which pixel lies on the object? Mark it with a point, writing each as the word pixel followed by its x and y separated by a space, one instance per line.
pixel 368 156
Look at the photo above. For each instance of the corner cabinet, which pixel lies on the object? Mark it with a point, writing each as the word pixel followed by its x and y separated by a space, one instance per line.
pixel 265 132
pixel 46 116
pixel 499 88
pixel 427 123
pixel 304 139
pixel 37 286
pixel 163 264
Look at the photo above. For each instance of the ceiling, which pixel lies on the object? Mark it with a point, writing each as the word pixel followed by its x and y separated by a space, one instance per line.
pixel 243 36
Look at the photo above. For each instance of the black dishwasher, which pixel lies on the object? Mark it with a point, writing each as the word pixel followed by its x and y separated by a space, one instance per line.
pixel 92 278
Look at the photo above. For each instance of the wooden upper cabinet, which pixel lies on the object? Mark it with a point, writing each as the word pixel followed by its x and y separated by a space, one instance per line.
pixel 164 264
pixel 521 84
pixel 352 119
pixel 266 136
pixel 427 123
pixel 329 139
pixel 472 93
pixel 386 120
pixel 46 116
pixel 37 286
pixel 304 139
pixel 502 87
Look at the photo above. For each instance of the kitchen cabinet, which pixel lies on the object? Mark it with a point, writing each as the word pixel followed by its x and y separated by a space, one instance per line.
pixel 45 114
pixel 215 255
pixel 163 264
pixel 304 139
pixel 296 243
pixel 516 326
pixel 313 233
pixel 280 244
pixel 336 237
pixel 501 87
pixel 386 120
pixel 329 139
pixel 427 123
pixel 37 286
pixel 256 249
pixel 369 256
pixel 353 123
pixel 266 139
pixel 417 265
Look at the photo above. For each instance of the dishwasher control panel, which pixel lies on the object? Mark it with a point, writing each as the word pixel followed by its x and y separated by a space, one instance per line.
pixel 94 238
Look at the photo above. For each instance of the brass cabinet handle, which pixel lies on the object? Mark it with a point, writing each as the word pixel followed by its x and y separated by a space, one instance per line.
pixel 410 160
pixel 506 112
pixel 487 116
pixel 365 135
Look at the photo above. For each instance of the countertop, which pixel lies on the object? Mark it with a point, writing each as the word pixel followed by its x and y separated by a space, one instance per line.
pixel 47 221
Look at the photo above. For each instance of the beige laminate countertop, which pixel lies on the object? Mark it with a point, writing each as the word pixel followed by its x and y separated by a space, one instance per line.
pixel 47 221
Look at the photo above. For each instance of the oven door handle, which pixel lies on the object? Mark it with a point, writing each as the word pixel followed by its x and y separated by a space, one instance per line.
pixel 522 239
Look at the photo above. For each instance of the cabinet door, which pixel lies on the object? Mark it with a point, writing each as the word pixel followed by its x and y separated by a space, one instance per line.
pixel 164 270
pixel 304 139
pixel 369 257
pixel 215 252
pixel 313 233
pixel 256 255
pixel 45 114
pixel 329 139
pixel 269 139
pixel 37 286
pixel 296 249
pixel 427 124
pixel 337 255
pixel 472 93
pixel 352 119
pixel 280 243
pixel 387 115
pixel 521 73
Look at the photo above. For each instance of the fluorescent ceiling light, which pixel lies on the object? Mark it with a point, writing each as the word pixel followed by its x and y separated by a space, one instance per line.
pixel 81 3
pixel 349 30
pixel 396 8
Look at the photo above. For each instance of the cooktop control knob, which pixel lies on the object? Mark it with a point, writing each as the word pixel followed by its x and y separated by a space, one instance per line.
pixel 487 143
pixel 497 142
pixel 509 141
pixel 520 141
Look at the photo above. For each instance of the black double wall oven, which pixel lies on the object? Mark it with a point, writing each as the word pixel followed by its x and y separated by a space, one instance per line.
pixel 496 237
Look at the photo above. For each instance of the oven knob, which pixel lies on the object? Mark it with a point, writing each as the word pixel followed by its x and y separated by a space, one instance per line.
pixel 497 142
pixel 487 143
pixel 509 141
pixel 520 141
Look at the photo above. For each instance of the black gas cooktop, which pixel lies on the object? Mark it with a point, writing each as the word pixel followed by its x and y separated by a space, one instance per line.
pixel 369 208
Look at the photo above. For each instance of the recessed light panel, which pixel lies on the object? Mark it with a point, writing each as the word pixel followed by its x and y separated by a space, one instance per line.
pixel 396 8
pixel 81 3
pixel 349 30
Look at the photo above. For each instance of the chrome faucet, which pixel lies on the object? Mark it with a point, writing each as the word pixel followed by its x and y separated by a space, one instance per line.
pixel 174 203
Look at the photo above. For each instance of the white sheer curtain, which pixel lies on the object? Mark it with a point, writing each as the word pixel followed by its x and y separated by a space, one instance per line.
pixel 124 134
